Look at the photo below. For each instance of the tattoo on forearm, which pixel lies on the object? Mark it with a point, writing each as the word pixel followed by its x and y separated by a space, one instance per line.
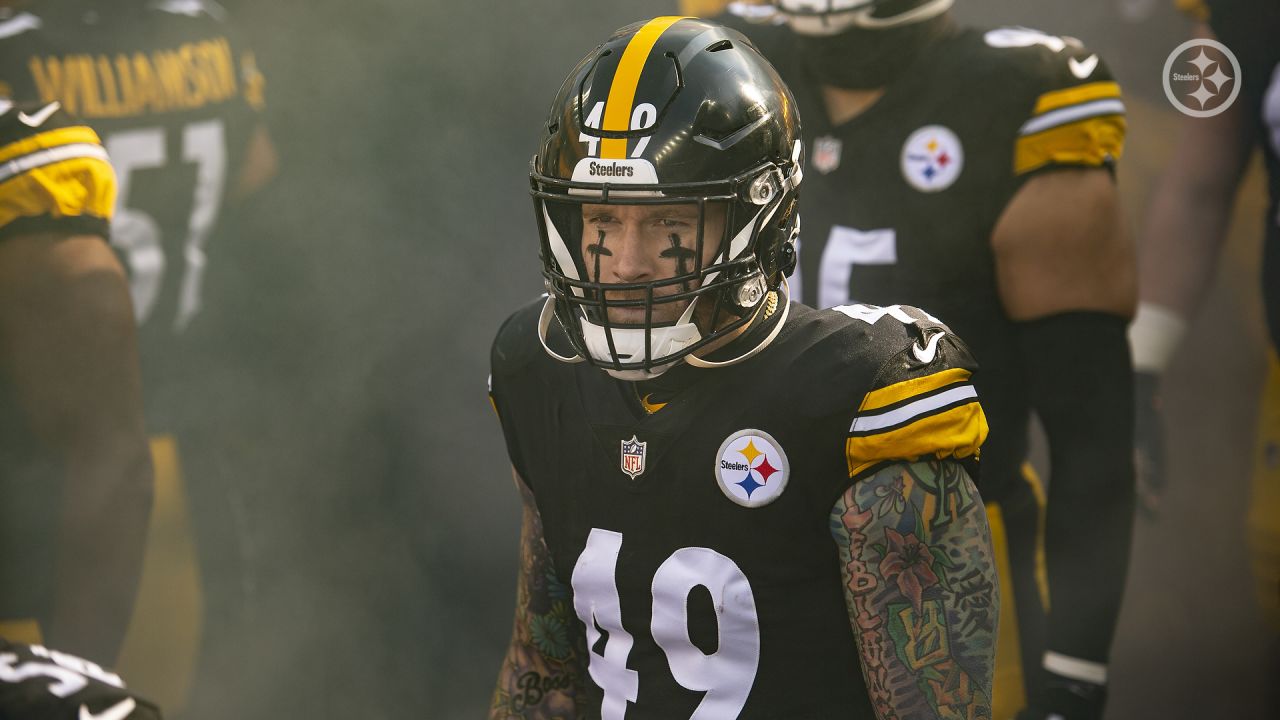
pixel 543 673
pixel 921 590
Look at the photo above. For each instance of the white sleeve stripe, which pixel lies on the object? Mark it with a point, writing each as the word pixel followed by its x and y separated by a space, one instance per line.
pixel 923 406
pixel 48 156
pixel 1075 668
pixel 1063 116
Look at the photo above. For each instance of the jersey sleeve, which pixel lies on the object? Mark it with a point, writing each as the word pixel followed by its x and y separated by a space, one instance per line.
pixel 512 361
pixel 1070 107
pixel 54 173
pixel 921 404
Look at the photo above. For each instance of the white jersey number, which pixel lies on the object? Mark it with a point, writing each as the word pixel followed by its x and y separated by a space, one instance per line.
pixel 1018 37
pixel 725 676
pixel 136 233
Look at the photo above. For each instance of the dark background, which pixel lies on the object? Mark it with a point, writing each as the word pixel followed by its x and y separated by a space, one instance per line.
pixel 352 307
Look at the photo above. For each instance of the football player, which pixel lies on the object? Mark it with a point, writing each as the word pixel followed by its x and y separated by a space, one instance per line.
pixel 735 506
pixel 37 683
pixel 1183 235
pixel 176 98
pixel 970 171
pixel 75 475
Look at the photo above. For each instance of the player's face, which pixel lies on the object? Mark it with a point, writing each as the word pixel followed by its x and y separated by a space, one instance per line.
pixel 647 243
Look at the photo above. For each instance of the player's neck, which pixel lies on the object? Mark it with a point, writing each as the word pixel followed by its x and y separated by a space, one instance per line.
pixel 844 104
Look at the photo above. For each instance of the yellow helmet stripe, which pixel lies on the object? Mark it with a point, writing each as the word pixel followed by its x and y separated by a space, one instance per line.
pixel 617 109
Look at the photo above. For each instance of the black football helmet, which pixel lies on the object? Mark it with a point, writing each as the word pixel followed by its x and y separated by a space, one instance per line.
pixel 830 17
pixel 675 110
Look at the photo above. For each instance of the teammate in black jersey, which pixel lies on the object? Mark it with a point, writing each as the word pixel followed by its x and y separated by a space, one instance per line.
pixel 969 171
pixel 735 506
pixel 37 683
pixel 176 98
pixel 1184 233
pixel 75 476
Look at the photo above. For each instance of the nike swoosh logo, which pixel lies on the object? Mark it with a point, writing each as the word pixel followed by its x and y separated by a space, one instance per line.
pixel 651 407
pixel 927 353
pixel 1083 68
pixel 43 114
pixel 119 711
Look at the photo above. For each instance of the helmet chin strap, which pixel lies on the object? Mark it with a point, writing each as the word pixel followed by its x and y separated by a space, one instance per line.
pixel 785 289
pixel 544 324
pixel 630 344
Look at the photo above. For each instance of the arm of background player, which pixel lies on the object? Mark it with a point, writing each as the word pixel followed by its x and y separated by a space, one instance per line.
pixel 920 585
pixel 1185 226
pixel 544 672
pixel 71 353
pixel 1065 268
pixel 261 163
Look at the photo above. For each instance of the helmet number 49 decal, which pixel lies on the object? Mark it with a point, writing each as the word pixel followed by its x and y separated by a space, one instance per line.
pixel 642 118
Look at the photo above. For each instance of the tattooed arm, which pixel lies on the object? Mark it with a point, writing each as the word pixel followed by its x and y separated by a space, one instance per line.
pixel 920 585
pixel 543 673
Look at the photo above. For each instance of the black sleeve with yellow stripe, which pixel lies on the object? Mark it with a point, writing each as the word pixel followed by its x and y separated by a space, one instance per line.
pixel 1075 114
pixel 54 174
pixel 921 405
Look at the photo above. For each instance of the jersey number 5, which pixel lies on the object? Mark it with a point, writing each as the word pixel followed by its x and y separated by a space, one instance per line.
pixel 137 234
pixel 725 676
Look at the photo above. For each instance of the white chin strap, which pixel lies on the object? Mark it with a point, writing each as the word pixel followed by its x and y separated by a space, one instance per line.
pixel 663 341
pixel 629 344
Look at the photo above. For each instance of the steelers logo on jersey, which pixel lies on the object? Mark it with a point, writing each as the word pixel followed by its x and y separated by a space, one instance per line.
pixel 752 468
pixel 932 159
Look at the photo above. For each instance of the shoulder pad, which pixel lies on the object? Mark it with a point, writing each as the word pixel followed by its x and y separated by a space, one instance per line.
pixel 43 684
pixel 1073 111
pixel 516 344
pixel 18 24
pixel 920 402
pixel 51 169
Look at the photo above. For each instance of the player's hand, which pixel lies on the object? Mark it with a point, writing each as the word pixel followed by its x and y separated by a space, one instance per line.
pixel 1149 460
pixel 1065 699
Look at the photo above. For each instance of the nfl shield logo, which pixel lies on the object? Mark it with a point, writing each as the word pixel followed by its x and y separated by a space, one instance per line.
pixel 633 456
pixel 826 154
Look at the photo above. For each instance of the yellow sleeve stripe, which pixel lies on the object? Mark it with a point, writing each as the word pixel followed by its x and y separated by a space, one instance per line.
pixel 1091 142
pixel 907 389
pixel 74 135
pixel 958 432
pixel 1058 99
pixel 75 187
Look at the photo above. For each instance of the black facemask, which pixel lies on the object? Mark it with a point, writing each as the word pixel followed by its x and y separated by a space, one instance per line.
pixel 866 59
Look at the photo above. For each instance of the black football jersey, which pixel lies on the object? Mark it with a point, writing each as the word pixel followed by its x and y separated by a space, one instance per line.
pixel 899 204
pixel 1251 31
pixel 174 95
pixel 37 683
pixel 690 515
